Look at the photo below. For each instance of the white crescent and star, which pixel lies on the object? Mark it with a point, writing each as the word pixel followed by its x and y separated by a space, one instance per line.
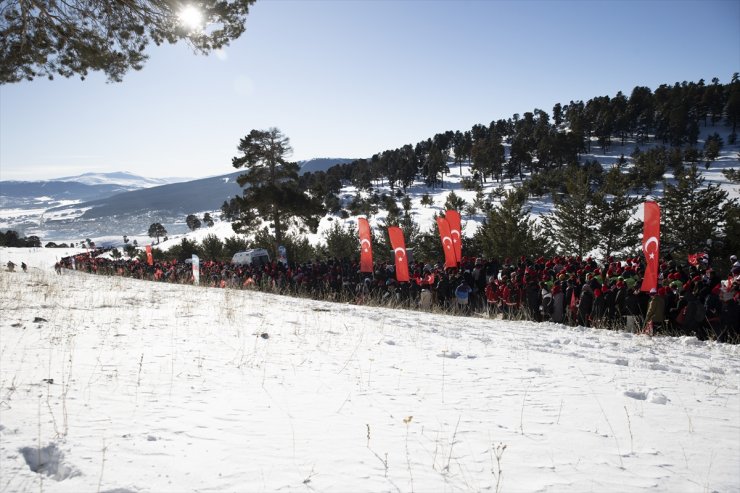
pixel 446 238
pixel 402 251
pixel 362 244
pixel 645 247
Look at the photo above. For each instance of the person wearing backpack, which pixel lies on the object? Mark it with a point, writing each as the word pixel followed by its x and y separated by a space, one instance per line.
pixel 462 295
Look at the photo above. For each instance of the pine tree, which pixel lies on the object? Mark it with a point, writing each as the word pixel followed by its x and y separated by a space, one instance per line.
pixel 184 250
pixel 454 202
pixel 73 37
pixel 571 227
pixel 271 191
pixel 649 167
pixel 212 247
pixel 192 222
pixel 427 246
pixel 230 210
pixel 234 244
pixel 408 166
pixel 613 210
pixel 435 166
pixel 508 230
pixel 732 108
pixel 156 230
pixel 731 234
pixel 207 219
pixel 342 242
pixel 691 213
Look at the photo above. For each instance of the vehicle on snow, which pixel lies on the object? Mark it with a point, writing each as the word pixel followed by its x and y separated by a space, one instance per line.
pixel 255 256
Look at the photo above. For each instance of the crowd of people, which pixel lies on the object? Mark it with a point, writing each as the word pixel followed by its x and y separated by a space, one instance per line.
pixel 688 300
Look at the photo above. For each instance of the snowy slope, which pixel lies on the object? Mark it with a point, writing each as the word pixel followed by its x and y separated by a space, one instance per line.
pixel 132 386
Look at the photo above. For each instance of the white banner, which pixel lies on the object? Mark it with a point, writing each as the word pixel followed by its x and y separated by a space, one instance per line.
pixel 196 270
pixel 282 255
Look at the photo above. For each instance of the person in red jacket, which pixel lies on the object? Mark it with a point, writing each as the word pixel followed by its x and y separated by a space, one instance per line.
pixel 511 298
pixel 493 297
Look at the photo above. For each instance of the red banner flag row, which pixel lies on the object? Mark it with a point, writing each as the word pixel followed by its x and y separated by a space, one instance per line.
pixel 450 235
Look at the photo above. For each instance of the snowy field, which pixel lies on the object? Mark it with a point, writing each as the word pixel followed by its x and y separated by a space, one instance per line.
pixel 118 385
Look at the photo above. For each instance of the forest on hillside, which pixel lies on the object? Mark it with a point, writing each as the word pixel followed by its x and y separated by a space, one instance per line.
pixel 542 155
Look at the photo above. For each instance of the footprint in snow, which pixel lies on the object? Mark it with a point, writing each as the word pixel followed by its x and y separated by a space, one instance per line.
pixel 650 396
pixel 657 398
pixel 48 461
pixel 636 394
pixel 450 354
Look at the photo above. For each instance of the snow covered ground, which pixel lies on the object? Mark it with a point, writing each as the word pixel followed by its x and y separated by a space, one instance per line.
pixel 118 385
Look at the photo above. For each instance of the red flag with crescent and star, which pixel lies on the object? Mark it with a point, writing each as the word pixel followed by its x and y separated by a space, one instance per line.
pixel 453 219
pixel 399 252
pixel 447 244
pixel 366 247
pixel 651 245
pixel 149 257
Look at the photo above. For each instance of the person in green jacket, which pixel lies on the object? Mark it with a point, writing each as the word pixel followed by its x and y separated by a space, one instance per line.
pixel 655 316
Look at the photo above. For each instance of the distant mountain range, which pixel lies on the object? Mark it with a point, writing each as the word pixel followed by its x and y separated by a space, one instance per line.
pixel 123 178
pixel 95 204
pixel 88 186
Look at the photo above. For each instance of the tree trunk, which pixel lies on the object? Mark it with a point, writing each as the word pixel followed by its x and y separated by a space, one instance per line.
pixel 278 226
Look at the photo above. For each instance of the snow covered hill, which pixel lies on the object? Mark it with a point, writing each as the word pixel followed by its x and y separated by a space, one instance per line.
pixel 114 384
pixel 121 178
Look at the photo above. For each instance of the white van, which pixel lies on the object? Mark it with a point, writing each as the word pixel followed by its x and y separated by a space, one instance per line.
pixel 256 256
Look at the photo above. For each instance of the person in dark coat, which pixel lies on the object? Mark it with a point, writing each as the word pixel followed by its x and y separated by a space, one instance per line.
pixel 598 309
pixel 620 298
pixel 610 310
pixel 730 322
pixel 634 311
pixel 585 305
pixel 532 294
pixel 572 293
pixel 443 289
pixel 686 318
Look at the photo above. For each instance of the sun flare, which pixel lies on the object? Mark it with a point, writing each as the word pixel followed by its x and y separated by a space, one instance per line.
pixel 191 17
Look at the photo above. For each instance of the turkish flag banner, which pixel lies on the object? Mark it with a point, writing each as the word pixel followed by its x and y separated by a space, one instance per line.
pixel 399 252
pixel 149 257
pixel 447 244
pixel 366 248
pixel 651 245
pixel 453 219
pixel 695 258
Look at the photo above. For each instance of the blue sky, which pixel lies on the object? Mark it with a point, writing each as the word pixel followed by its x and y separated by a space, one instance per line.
pixel 352 78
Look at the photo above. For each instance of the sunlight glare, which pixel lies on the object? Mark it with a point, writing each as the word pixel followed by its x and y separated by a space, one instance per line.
pixel 191 17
